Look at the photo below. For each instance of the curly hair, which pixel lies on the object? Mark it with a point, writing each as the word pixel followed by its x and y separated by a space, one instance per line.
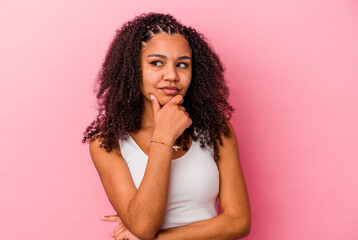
pixel 119 95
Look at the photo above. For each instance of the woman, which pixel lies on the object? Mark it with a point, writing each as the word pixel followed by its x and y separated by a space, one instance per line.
pixel 162 142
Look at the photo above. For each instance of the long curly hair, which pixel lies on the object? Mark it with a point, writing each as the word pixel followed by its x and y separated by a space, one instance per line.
pixel 120 102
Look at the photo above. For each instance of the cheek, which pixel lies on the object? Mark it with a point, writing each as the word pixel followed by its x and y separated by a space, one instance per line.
pixel 147 81
pixel 186 85
pixel 149 86
pixel 187 80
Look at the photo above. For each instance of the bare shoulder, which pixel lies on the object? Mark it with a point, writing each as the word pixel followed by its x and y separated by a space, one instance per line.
pixel 114 174
pixel 101 158
pixel 105 162
pixel 229 148
pixel 232 130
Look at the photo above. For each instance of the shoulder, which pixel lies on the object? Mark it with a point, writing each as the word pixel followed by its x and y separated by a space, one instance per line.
pixel 99 154
pixel 96 144
pixel 227 148
pixel 230 126
pixel 229 141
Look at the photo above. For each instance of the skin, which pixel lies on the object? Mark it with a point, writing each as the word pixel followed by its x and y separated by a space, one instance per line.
pixel 165 61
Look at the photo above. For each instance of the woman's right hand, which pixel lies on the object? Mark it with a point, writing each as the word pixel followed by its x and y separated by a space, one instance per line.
pixel 171 120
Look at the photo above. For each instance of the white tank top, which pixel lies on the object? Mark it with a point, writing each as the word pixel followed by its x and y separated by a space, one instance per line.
pixel 193 186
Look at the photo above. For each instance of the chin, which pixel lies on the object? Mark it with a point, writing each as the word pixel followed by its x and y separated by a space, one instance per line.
pixel 164 100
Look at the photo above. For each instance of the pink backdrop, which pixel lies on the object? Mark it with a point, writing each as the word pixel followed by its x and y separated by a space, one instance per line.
pixel 292 71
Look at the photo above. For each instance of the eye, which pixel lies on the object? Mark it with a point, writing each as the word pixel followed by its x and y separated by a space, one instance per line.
pixel 157 63
pixel 182 65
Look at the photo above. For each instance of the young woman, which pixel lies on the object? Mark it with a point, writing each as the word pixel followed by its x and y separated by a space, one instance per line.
pixel 162 142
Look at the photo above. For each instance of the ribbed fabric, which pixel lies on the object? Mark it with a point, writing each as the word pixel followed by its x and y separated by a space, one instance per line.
pixel 193 186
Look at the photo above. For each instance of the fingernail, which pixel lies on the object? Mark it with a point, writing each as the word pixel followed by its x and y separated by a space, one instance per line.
pixel 151 96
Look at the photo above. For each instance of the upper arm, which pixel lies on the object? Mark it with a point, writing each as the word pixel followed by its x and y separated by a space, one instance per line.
pixel 115 177
pixel 233 194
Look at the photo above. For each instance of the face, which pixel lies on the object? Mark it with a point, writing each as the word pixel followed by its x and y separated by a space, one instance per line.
pixel 166 67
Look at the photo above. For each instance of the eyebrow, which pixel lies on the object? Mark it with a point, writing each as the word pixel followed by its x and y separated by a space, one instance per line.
pixel 165 57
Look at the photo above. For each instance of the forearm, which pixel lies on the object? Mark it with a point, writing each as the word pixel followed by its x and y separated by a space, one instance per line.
pixel 223 227
pixel 150 200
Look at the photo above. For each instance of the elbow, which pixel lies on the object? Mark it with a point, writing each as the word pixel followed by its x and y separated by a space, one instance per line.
pixel 144 236
pixel 246 227
pixel 141 226
pixel 243 227
pixel 144 232
pixel 240 226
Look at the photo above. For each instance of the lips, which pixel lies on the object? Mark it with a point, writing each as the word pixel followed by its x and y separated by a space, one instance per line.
pixel 170 90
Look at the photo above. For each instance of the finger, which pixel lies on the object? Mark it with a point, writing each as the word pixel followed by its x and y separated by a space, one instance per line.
pixel 119 232
pixel 111 218
pixel 190 122
pixel 177 100
pixel 155 104
pixel 181 108
pixel 118 229
pixel 113 233
pixel 121 237
pixel 133 238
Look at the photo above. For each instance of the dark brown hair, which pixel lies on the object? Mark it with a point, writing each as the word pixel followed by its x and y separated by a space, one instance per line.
pixel 118 86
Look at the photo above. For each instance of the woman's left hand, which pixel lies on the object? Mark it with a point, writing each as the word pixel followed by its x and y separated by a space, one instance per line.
pixel 121 232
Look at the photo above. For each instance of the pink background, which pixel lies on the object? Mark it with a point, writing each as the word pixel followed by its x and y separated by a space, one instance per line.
pixel 292 71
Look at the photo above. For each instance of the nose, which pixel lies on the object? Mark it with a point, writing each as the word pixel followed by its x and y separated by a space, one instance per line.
pixel 171 73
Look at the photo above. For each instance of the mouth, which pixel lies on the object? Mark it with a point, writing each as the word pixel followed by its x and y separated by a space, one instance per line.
pixel 170 90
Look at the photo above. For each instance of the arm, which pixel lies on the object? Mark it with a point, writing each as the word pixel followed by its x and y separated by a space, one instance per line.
pixel 234 222
pixel 127 201
pixel 131 205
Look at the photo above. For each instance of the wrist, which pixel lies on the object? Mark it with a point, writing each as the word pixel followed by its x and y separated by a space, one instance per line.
pixel 162 137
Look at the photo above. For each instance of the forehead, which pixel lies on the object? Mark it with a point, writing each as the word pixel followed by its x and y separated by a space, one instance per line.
pixel 174 44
